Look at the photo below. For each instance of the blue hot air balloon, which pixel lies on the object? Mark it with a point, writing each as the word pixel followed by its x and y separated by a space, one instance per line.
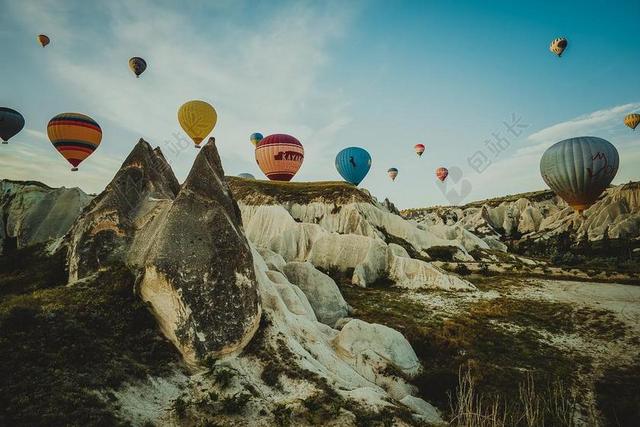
pixel 353 163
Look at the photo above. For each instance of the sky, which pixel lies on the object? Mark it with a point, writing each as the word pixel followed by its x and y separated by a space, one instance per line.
pixel 473 81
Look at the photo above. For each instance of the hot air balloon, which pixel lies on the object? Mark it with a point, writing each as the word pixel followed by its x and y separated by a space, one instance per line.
pixel 255 138
pixel 558 46
pixel 442 173
pixel 75 136
pixel 353 164
pixel 137 65
pixel 419 149
pixel 197 118
pixel 632 120
pixel 11 122
pixel 246 176
pixel 392 172
pixel 43 40
pixel 279 156
pixel 579 169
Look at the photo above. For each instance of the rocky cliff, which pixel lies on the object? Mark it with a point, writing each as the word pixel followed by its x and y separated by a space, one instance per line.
pixel 32 212
pixel 540 215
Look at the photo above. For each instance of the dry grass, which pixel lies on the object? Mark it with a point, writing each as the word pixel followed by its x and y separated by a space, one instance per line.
pixel 554 406
pixel 258 192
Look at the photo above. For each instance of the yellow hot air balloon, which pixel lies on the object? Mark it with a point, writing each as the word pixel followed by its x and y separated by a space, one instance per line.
pixel 558 46
pixel 198 119
pixel 632 120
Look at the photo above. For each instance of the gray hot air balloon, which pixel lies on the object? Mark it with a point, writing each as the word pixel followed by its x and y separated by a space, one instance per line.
pixel 579 169
pixel 246 176
pixel 11 122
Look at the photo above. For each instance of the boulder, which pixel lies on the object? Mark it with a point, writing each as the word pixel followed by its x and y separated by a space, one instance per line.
pixel 322 292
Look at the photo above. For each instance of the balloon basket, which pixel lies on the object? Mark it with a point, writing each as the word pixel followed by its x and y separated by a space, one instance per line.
pixel 5 142
pixel 74 169
pixel 197 147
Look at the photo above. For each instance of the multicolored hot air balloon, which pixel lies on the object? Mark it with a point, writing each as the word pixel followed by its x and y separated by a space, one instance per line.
pixel 279 156
pixel 558 46
pixel 43 40
pixel 442 173
pixel 419 149
pixel 255 138
pixel 353 164
pixel 75 136
pixel 246 176
pixel 632 120
pixel 11 122
pixel 198 119
pixel 137 65
pixel 393 173
pixel 579 169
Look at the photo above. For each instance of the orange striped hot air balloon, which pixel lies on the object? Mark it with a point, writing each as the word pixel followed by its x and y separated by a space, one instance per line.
pixel 75 136
pixel 43 40
pixel 279 156
pixel 442 173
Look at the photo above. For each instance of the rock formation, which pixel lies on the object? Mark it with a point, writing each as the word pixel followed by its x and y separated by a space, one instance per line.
pixel 194 263
pixel 542 214
pixel 31 212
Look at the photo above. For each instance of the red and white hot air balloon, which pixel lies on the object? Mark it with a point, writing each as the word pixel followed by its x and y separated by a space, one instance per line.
pixel 419 149
pixel 442 173
pixel 279 156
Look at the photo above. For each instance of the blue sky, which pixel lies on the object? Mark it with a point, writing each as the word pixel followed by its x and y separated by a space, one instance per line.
pixel 377 74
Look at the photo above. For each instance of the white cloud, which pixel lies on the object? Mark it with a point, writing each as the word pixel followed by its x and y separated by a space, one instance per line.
pixel 263 79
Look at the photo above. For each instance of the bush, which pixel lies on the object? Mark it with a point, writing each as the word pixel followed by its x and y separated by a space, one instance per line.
pixel 462 269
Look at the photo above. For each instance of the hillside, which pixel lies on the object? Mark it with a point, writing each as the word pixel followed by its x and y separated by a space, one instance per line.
pixel 226 301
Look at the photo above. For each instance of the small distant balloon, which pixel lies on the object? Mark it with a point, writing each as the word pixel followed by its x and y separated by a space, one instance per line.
pixel 43 40
pixel 442 173
pixel 279 156
pixel 419 149
pixel 75 136
pixel 246 176
pixel 137 65
pixel 558 46
pixel 255 138
pixel 11 122
pixel 579 169
pixel 632 120
pixel 393 173
pixel 197 118
pixel 353 164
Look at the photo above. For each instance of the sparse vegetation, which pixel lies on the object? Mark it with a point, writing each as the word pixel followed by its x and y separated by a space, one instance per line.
pixel 257 192
pixel 59 344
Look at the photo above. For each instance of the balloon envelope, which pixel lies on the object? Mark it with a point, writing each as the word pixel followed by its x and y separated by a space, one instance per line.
pixel 558 46
pixel 442 173
pixel 393 173
pixel 137 65
pixel 632 120
pixel 11 122
pixel 43 40
pixel 279 156
pixel 198 119
pixel 353 164
pixel 75 136
pixel 255 138
pixel 579 169
pixel 246 176
pixel 419 149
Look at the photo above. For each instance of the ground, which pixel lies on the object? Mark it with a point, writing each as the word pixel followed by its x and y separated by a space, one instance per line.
pixel 579 339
